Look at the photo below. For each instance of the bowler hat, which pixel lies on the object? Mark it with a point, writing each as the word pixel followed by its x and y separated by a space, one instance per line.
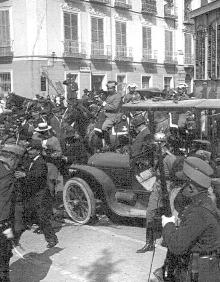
pixel 198 171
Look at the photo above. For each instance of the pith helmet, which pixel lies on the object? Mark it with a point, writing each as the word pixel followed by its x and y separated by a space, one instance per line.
pixel 198 171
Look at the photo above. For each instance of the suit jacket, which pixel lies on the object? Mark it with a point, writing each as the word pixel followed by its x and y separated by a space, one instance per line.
pixel 36 177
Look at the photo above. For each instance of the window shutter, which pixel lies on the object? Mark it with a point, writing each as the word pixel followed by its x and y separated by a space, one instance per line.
pixel 120 34
pixel 146 31
pixel 188 44
pixel 168 41
pixel 97 30
pixel 4 27
pixel 71 26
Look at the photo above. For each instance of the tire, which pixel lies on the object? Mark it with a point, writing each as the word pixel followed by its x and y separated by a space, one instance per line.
pixel 79 201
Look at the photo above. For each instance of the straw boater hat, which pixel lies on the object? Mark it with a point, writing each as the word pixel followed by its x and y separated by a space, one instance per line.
pixel 43 126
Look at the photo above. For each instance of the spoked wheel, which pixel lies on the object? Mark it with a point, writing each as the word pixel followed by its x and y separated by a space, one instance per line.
pixel 79 200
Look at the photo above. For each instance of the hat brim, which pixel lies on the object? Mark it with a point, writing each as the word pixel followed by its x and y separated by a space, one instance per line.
pixel 42 130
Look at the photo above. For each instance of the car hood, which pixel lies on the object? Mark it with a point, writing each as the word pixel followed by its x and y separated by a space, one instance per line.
pixel 109 159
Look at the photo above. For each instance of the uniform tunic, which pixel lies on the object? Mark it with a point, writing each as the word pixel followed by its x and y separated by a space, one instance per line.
pixel 199 232
pixel 113 103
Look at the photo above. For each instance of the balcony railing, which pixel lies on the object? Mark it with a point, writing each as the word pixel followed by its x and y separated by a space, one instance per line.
pixel 105 2
pixel 74 49
pixel 100 52
pixel 149 8
pixel 6 49
pixel 170 12
pixel 189 59
pixel 149 56
pixel 126 4
pixel 123 53
pixel 170 58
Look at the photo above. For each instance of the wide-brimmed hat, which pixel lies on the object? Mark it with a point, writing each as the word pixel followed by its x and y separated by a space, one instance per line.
pixel 198 171
pixel 43 126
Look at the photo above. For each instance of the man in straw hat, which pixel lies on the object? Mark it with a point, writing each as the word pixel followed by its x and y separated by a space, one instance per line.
pixel 197 239
pixel 9 159
pixel 52 150
pixel 38 198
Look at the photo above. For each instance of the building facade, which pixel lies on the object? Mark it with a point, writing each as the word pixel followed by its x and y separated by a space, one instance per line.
pixel 206 16
pixel 149 42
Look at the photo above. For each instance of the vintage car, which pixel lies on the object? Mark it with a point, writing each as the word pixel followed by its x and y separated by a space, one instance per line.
pixel 110 178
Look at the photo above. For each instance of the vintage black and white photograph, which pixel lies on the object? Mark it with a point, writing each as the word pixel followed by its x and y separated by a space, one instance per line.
pixel 110 140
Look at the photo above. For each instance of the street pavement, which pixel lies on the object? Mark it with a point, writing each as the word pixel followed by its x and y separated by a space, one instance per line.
pixel 104 252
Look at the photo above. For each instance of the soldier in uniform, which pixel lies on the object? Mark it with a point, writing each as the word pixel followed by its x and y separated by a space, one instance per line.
pixel 132 94
pixel 111 108
pixel 144 137
pixel 195 244
pixel 9 159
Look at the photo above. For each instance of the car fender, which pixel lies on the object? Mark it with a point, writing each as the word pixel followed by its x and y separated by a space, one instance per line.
pixel 109 190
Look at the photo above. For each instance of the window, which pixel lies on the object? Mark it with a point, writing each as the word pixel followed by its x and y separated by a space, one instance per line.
pixel 97 36
pixel 71 44
pixel 5 82
pixel 168 45
pixel 146 81
pixel 167 82
pixel 70 26
pixel 146 33
pixel 218 51
pixel 211 52
pixel 121 39
pixel 200 54
pixel 188 48
pixel 97 82
pixel 5 39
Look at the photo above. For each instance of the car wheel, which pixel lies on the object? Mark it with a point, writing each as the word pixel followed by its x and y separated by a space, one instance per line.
pixel 79 201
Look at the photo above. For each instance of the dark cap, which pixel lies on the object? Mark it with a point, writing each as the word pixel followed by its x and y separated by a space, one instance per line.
pixel 111 83
pixel 198 171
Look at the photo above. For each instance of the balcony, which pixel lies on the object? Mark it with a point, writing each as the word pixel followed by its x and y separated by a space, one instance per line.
pixel 123 54
pixel 187 19
pixel 149 8
pixel 189 60
pixel 100 52
pixel 74 49
pixel 170 58
pixel 149 56
pixel 6 53
pixel 123 4
pixel 170 12
pixel 104 2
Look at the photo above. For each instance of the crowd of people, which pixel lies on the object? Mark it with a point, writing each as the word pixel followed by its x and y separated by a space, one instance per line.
pixel 32 158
